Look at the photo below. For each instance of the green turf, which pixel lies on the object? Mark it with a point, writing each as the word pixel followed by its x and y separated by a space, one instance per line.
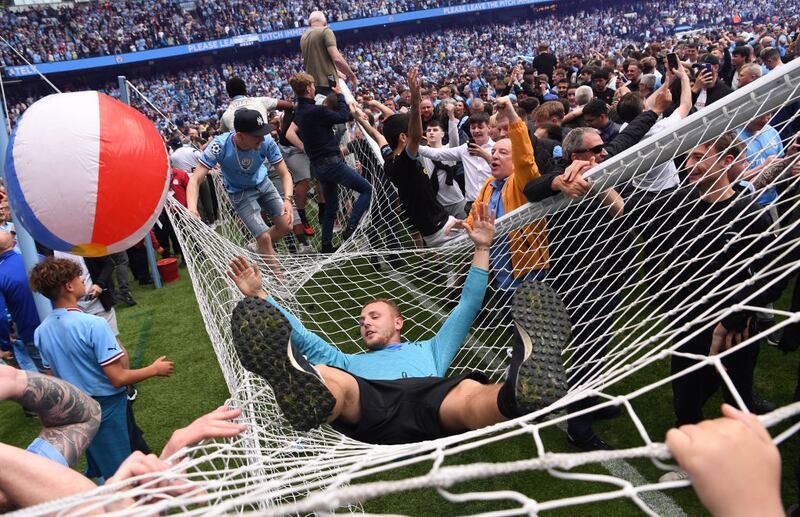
pixel 167 322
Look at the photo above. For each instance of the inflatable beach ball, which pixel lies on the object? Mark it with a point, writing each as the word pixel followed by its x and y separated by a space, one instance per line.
pixel 86 173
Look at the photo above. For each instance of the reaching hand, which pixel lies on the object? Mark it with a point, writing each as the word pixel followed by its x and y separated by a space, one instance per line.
pixel 217 424
pixel 163 366
pixel 732 463
pixel 247 277
pixel 482 229
pixel 574 189
pixel 450 109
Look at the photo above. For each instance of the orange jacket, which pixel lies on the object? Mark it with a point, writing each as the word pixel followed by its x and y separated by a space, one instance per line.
pixel 529 243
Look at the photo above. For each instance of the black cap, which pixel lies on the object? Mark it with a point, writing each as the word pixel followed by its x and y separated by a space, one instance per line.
pixel 250 122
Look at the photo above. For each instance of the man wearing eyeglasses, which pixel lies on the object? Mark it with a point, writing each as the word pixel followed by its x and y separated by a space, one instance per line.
pixel 590 293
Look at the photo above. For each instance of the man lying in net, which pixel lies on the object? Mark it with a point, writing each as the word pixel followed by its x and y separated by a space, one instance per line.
pixel 397 391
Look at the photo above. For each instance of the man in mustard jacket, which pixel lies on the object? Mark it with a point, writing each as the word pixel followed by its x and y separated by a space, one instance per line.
pixel 522 255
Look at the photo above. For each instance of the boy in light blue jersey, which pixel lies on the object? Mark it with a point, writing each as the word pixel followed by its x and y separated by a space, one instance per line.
pixel 397 391
pixel 241 155
pixel 81 349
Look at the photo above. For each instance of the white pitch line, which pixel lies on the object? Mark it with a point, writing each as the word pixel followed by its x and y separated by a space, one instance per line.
pixel 659 502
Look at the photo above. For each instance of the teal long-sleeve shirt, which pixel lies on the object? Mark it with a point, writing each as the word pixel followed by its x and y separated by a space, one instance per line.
pixel 428 358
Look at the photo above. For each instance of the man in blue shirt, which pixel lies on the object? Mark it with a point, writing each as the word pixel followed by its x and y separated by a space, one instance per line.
pixel 763 146
pixel 81 349
pixel 240 155
pixel 315 128
pixel 396 392
pixel 18 298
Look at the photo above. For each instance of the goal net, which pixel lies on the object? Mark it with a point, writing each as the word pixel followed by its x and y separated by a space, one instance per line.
pixel 639 289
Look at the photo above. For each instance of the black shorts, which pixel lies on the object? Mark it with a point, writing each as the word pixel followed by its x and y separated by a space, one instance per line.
pixel 402 410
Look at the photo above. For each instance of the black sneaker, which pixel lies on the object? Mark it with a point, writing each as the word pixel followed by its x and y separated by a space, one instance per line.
pixel 774 339
pixel 132 392
pixel 128 300
pixel 542 328
pixel 328 249
pixel 261 337
pixel 761 406
pixel 590 443
pixel 347 233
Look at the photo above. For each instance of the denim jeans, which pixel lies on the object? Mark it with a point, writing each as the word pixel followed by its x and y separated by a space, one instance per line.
pixel 331 175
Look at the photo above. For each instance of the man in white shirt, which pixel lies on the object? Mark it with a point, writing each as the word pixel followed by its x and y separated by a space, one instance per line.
pixel 442 173
pixel 664 176
pixel 237 91
pixel 475 155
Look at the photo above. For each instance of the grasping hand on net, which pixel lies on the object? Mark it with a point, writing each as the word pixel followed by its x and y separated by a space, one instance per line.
pixel 139 464
pixel 571 182
pixel 246 276
pixel 723 339
pixel 217 424
pixel 481 231
pixel 732 463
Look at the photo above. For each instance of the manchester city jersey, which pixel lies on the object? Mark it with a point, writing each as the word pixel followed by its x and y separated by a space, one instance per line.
pixel 241 170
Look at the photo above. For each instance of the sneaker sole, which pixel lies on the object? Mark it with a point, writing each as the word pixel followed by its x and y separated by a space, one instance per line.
pixel 261 337
pixel 544 326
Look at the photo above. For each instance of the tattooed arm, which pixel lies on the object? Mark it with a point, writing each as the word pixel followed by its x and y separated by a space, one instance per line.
pixel 70 417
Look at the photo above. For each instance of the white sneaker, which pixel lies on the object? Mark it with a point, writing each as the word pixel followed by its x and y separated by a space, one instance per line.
pixel 306 249
pixel 674 475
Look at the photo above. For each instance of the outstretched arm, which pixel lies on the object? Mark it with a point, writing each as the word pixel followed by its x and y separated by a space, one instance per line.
pixel 69 416
pixel 451 336
pixel 414 117
pixel 372 131
pixel 247 278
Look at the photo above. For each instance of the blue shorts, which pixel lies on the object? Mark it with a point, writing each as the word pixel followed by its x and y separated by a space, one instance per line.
pixel 249 204
pixel 111 445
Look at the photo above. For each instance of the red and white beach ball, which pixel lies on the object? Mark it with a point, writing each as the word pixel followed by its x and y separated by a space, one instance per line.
pixel 86 173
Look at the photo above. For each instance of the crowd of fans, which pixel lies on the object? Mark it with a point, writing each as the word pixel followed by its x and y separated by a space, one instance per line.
pixel 499 118
pixel 44 34
pixel 195 94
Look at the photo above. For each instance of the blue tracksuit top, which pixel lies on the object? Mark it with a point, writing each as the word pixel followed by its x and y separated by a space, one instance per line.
pixel 428 358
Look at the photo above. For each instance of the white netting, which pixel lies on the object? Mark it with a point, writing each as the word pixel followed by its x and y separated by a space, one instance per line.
pixel 631 310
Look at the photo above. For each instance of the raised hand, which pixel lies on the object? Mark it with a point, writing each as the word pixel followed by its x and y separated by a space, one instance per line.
pixel 482 229
pixel 413 85
pixel 247 277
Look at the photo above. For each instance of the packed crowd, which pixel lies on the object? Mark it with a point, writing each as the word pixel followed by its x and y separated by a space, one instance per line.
pixel 194 94
pixel 44 34
pixel 473 132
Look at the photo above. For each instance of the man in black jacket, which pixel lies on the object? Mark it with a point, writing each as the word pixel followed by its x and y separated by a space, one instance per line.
pixel 315 129
pixel 590 294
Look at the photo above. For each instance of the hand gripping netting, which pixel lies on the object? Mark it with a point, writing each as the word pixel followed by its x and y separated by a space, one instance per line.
pixel 632 303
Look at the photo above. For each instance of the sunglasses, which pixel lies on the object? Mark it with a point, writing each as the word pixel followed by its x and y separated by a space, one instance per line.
pixel 594 150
